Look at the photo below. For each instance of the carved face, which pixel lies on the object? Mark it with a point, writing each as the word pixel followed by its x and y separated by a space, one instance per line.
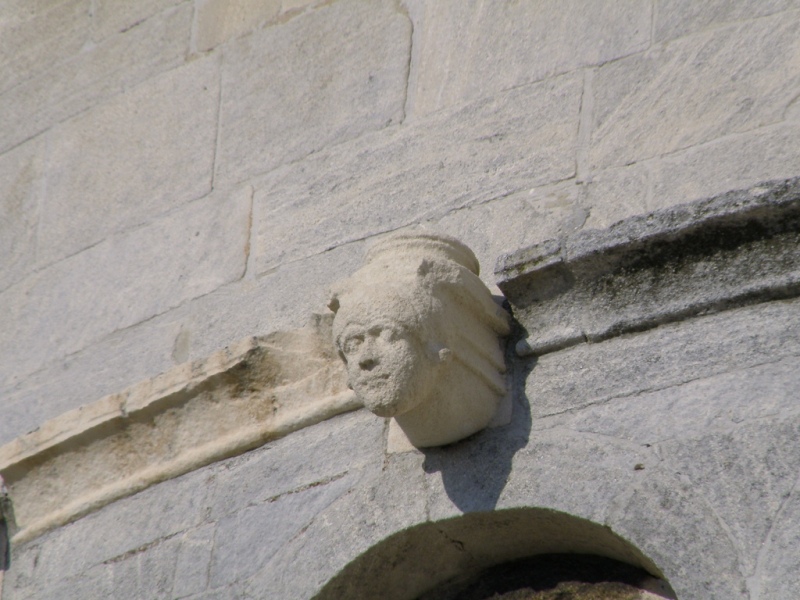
pixel 387 367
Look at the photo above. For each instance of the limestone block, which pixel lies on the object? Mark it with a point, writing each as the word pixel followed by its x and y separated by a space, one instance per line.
pixel 727 80
pixel 22 174
pixel 616 194
pixel 216 21
pixel 36 35
pixel 735 162
pixel 240 547
pixel 194 560
pixel 124 162
pixel 473 49
pixel 149 573
pixel 746 474
pixel 117 16
pixel 283 99
pixel 776 576
pixel 77 301
pixel 418 333
pixel 675 18
pixel 98 72
pixel 515 141
pixel 518 220
pixel 663 357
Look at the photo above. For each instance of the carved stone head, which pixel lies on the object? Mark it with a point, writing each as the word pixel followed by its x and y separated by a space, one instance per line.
pixel 418 332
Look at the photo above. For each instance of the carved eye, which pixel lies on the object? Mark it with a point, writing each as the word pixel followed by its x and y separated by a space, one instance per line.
pixel 352 344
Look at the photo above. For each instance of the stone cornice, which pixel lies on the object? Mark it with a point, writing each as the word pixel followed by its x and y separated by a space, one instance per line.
pixel 237 399
pixel 732 250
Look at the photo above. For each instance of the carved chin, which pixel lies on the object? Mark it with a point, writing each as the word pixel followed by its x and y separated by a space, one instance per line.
pixel 380 404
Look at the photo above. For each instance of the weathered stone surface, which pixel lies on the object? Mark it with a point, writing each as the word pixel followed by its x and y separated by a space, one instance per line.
pixel 616 194
pixel 452 159
pixel 521 219
pixel 35 35
pixel 118 16
pixel 696 89
pixel 22 174
pixel 283 99
pixel 665 356
pixel 776 576
pixel 419 335
pixel 734 162
pixel 216 21
pixel 132 264
pixel 180 421
pixel 703 405
pixel 194 561
pixel 385 502
pixel 241 546
pixel 745 474
pixel 329 450
pixel 675 18
pixel 734 249
pixel 656 516
pixel 97 73
pixel 147 572
pixel 472 49
pixel 126 161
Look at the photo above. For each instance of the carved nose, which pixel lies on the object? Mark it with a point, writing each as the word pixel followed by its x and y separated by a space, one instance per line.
pixel 367 364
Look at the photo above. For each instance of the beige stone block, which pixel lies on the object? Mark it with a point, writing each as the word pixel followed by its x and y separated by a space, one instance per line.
pixel 732 163
pixel 465 50
pixel 216 21
pixel 115 16
pixel 98 72
pixel 124 162
pixel 22 173
pixel 675 18
pixel 695 89
pixel 284 98
pixel 36 35
pixel 122 281
pixel 615 194
pixel 516 141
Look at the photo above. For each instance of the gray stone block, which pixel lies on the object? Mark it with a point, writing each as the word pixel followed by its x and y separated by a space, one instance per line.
pixel 97 73
pixel 329 450
pixel 247 540
pixel 616 194
pixel 130 159
pixel 675 18
pixel 452 159
pixel 194 561
pixel 746 474
pixel 728 80
pixel 147 573
pixel 22 171
pixel 658 516
pixel 216 21
pixel 779 562
pixel 36 35
pixel 77 301
pixel 701 406
pixel 385 502
pixel 468 50
pixel 283 99
pixel 663 357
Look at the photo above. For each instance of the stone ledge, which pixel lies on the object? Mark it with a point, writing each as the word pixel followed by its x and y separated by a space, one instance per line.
pixel 237 399
pixel 731 250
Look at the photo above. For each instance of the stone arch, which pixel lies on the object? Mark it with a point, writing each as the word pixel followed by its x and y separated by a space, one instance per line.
pixel 417 560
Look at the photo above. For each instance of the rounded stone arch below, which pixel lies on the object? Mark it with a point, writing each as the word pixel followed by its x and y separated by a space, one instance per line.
pixel 436 559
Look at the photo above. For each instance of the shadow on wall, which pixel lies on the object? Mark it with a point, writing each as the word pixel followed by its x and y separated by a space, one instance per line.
pixel 456 559
pixel 475 471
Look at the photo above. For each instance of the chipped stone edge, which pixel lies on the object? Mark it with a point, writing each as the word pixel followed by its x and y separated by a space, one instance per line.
pixel 84 425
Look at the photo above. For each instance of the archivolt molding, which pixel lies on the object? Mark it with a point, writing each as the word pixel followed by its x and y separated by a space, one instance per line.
pixel 251 392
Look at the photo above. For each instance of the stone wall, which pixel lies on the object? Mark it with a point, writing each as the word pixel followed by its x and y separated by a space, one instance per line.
pixel 179 175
